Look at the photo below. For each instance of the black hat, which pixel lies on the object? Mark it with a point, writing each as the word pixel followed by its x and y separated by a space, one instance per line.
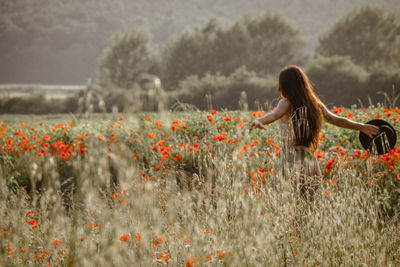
pixel 382 142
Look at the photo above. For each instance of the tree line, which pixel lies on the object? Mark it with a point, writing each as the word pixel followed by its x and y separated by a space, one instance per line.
pixel 214 61
pixel 59 42
pixel 358 56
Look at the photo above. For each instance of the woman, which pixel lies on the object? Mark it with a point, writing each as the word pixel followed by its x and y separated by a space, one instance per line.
pixel 301 113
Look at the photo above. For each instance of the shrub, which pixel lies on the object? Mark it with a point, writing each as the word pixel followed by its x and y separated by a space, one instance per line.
pixel 367 35
pixel 38 104
pixel 128 55
pixel 263 44
pixel 338 80
pixel 225 91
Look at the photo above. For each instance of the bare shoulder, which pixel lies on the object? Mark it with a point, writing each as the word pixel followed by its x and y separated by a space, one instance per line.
pixel 283 107
pixel 328 116
pixel 284 102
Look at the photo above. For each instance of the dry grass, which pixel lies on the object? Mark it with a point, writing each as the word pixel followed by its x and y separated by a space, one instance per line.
pixel 204 207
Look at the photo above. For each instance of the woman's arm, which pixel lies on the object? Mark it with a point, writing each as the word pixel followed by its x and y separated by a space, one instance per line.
pixel 368 129
pixel 281 109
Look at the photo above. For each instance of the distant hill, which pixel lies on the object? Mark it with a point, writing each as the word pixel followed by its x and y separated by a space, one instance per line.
pixel 56 41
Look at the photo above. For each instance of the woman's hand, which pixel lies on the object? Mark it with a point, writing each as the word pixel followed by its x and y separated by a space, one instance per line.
pixel 370 130
pixel 257 124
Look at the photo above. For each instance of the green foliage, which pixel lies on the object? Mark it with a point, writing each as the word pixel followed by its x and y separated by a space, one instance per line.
pixel 38 104
pixel 56 41
pixel 128 55
pixel 386 80
pixel 225 90
pixel 338 80
pixel 274 43
pixel 367 35
pixel 263 44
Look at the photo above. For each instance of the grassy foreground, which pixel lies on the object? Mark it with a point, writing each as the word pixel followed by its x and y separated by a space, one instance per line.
pixel 190 189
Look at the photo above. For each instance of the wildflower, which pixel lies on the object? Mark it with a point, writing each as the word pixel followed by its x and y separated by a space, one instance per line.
pixel 151 135
pixel 338 110
pixel 32 221
pixel 320 154
pixel 139 237
pixel 258 113
pixel 219 138
pixel 227 118
pixel 398 176
pixel 158 124
pixel 159 239
pixel 115 196
pixel 328 166
pixel 190 262
pixel 221 254
pixel 134 156
pixel 213 112
pixel 350 115
pixel 121 118
pixel 55 243
pixel 125 238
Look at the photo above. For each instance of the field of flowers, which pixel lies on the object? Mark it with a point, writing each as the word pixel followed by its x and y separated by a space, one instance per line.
pixel 190 189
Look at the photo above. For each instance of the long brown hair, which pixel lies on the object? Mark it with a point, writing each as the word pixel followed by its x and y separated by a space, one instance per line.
pixel 297 88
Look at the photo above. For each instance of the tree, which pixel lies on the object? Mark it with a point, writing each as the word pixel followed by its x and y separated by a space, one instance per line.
pixel 338 80
pixel 263 44
pixel 128 55
pixel 367 35
pixel 190 53
pixel 275 43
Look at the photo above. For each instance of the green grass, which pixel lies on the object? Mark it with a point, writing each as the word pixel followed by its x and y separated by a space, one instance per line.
pixel 218 202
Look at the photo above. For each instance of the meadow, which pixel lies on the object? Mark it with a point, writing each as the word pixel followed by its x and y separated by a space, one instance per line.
pixel 190 189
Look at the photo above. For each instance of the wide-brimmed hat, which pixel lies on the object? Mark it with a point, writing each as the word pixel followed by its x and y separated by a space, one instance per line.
pixel 381 143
